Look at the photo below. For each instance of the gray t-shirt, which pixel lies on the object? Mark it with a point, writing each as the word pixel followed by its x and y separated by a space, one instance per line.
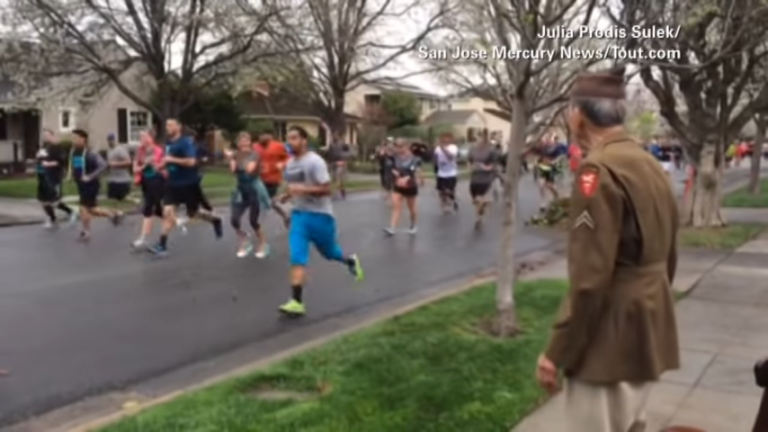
pixel 338 152
pixel 479 156
pixel 309 169
pixel 119 175
pixel 406 165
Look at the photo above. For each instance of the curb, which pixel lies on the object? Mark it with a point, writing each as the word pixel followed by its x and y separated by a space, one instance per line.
pixel 527 264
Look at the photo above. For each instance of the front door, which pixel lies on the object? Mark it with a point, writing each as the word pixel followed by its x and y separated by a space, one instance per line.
pixel 31 125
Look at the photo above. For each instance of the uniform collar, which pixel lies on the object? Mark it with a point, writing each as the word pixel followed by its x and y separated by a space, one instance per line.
pixel 613 138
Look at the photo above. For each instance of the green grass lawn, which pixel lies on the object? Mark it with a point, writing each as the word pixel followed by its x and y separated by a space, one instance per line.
pixel 729 237
pixel 742 197
pixel 431 370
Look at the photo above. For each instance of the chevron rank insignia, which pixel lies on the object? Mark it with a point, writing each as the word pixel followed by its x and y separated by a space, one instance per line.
pixel 584 219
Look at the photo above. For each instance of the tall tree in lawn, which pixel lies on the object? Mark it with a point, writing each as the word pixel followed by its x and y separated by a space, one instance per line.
pixel 400 108
pixel 342 44
pixel 701 78
pixel 534 90
pixel 177 44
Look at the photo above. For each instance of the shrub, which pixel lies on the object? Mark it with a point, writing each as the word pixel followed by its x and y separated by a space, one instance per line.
pixel 555 214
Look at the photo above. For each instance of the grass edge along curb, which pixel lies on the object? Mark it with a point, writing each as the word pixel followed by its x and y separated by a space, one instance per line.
pixel 539 300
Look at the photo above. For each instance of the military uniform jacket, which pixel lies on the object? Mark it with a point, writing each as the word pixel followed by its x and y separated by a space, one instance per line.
pixel 618 321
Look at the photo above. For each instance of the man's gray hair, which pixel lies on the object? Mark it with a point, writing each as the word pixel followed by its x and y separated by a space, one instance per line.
pixel 602 112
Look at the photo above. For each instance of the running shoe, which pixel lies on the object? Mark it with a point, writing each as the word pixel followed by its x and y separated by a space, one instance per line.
pixel 412 230
pixel 455 206
pixel 158 250
pixel 48 225
pixel 355 268
pixel 181 224
pixel 74 217
pixel 139 243
pixel 292 307
pixel 84 237
pixel 117 218
pixel 263 253
pixel 245 250
pixel 218 228
pixel 389 231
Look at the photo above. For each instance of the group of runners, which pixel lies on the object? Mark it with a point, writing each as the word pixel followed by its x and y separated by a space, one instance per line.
pixel 400 170
pixel 268 174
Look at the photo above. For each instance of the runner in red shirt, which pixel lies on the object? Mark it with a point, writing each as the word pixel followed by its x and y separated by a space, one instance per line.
pixel 273 158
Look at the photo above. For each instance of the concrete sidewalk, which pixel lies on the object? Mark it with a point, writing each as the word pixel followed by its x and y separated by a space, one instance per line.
pixel 723 325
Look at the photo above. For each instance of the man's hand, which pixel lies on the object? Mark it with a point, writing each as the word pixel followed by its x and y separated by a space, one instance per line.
pixel 402 182
pixel 229 153
pixel 283 198
pixel 85 178
pixel 169 159
pixel 296 189
pixel 546 374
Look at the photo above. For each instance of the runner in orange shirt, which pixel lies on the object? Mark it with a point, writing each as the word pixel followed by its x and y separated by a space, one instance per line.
pixel 273 159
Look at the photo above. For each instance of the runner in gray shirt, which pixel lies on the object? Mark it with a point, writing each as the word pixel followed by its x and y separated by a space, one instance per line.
pixel 119 177
pixel 338 155
pixel 483 158
pixel 312 222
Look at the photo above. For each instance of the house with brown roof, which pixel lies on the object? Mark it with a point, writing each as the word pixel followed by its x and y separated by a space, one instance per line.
pixel 26 109
pixel 284 110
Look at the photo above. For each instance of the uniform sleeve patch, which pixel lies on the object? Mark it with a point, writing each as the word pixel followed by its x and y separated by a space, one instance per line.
pixel 588 182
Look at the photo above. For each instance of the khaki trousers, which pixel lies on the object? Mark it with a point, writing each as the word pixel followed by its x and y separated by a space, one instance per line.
pixel 606 408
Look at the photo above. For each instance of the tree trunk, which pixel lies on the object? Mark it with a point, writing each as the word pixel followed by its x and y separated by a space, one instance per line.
pixel 505 283
pixel 703 207
pixel 757 156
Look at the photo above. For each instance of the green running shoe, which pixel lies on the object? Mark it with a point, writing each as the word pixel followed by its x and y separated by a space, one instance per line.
pixel 292 307
pixel 355 268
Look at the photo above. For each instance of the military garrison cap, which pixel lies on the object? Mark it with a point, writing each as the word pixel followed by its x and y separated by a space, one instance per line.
pixel 609 85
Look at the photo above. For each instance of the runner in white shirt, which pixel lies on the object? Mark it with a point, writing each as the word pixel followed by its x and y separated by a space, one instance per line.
pixel 446 162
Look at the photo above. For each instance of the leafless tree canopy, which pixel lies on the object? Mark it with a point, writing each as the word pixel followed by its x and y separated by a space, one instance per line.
pixel 491 26
pixel 187 42
pixel 710 92
pixel 334 46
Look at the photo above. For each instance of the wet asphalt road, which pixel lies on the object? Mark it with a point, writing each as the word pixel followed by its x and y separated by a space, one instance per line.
pixel 78 320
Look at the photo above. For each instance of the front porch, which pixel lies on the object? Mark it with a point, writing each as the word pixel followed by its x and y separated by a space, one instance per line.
pixel 19 139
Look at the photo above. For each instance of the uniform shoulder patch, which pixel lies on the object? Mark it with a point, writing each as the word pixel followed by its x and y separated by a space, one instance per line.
pixel 588 182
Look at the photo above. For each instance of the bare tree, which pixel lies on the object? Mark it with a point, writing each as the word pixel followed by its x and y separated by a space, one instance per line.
pixel 505 60
pixel 175 44
pixel 699 76
pixel 337 45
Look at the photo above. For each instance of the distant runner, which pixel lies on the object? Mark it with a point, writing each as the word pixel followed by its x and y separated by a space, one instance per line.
pixel 483 159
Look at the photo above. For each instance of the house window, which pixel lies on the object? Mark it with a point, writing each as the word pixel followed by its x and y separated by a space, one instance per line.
pixel 66 119
pixel 281 129
pixel 138 121
pixel 372 100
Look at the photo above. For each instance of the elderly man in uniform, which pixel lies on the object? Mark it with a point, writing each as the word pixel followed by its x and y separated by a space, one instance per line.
pixel 616 332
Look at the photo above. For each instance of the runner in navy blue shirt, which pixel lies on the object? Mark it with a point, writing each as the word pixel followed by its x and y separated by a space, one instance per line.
pixel 86 168
pixel 181 185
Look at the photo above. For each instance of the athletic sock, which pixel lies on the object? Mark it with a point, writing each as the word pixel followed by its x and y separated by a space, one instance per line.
pixel 50 213
pixel 65 208
pixel 164 241
pixel 297 291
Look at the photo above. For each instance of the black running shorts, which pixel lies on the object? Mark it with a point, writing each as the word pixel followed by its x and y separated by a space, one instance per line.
pixel 89 193
pixel 272 189
pixel 408 192
pixel 479 190
pixel 118 191
pixel 446 184
pixel 48 192
pixel 186 195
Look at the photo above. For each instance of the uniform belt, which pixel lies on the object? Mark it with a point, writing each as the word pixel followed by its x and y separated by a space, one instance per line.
pixel 642 269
